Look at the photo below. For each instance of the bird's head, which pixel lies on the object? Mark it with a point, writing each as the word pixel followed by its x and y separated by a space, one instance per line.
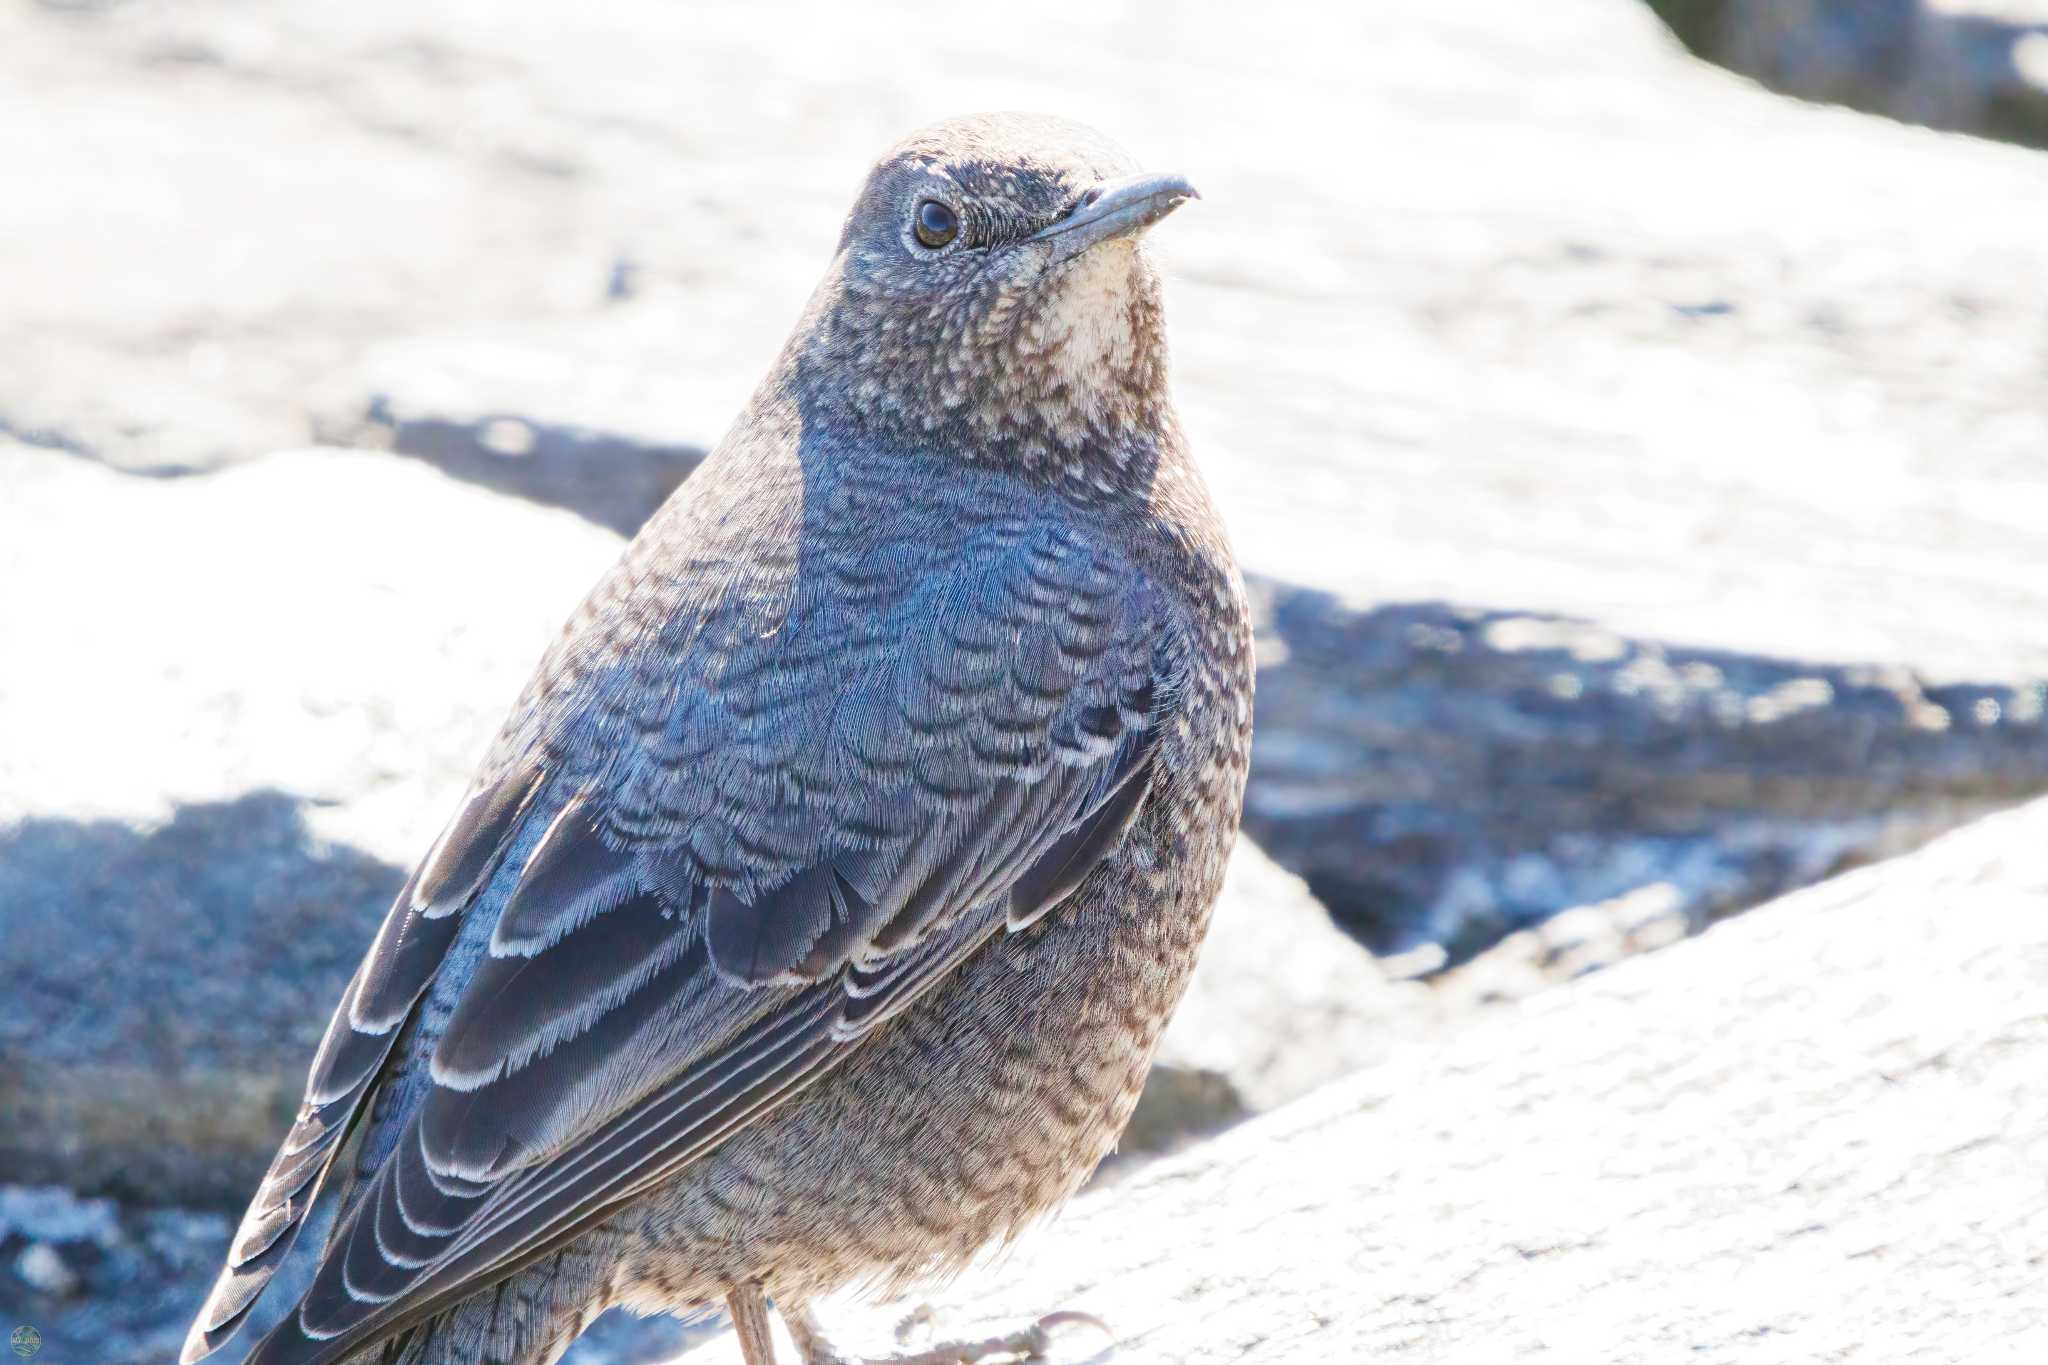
pixel 990 292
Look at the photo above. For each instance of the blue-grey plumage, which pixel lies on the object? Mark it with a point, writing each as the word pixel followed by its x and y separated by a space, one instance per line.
pixel 815 914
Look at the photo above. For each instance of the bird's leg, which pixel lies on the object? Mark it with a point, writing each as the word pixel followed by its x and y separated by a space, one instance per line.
pixel 1029 1343
pixel 750 1324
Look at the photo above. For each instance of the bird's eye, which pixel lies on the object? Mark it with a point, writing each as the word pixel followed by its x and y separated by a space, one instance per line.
pixel 936 224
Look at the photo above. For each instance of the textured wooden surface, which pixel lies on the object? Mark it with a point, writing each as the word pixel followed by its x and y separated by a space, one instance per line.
pixel 1816 1133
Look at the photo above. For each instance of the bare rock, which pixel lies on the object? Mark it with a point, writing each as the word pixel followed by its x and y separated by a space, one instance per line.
pixel 43 1269
pixel 131 1279
pixel 259 692
pixel 336 625
pixel 1966 66
pixel 1813 1133
pixel 553 418
pixel 168 985
pixel 1603 334
pixel 1444 777
pixel 98 1282
pixel 1281 1002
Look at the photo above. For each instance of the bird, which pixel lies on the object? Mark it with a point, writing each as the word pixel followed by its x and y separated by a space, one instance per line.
pixel 812 920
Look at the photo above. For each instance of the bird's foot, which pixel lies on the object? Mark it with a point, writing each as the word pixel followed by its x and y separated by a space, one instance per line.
pixel 1028 1343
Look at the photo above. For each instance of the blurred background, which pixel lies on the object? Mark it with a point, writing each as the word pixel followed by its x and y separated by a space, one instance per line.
pixel 1641 476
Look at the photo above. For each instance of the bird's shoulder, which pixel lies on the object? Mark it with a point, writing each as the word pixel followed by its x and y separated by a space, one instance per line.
pixel 935 646
pixel 776 582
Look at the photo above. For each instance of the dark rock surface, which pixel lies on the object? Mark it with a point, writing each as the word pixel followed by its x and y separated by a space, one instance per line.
pixel 556 419
pixel 115 1285
pixel 1966 66
pixel 608 479
pixel 1443 776
pixel 166 990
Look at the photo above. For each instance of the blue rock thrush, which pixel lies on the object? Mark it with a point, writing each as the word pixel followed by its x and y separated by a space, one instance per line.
pixel 814 917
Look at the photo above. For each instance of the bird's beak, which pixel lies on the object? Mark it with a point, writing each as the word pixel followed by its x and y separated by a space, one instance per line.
pixel 1119 208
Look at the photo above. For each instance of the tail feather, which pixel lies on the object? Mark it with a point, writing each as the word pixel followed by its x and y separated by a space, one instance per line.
pixel 269 1228
pixel 366 1027
pixel 529 1318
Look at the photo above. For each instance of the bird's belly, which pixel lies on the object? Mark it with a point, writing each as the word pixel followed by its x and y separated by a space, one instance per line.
pixel 982 1108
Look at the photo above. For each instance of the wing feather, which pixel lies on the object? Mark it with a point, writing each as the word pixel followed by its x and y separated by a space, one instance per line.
pixel 652 986
pixel 401 962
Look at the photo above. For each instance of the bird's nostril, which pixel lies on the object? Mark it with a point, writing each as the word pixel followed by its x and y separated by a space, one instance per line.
pixel 1090 197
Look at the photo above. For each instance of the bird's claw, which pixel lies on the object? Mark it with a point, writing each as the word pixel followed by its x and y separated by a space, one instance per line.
pixel 1029 1343
pixel 1042 1331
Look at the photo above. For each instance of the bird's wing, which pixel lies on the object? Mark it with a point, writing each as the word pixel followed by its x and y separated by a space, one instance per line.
pixel 374 1008
pixel 639 1004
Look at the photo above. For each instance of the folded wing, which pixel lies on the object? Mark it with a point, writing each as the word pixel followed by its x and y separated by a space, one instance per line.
pixel 641 1001
pixel 380 998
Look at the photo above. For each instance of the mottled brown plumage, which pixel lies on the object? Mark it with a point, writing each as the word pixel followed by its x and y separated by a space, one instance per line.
pixel 814 917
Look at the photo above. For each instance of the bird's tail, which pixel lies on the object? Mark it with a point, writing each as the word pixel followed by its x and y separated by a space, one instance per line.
pixel 528 1319
pixel 273 1222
